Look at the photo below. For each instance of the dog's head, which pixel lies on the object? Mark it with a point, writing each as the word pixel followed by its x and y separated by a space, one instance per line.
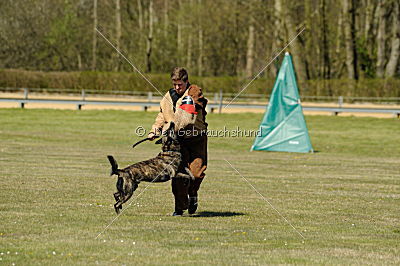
pixel 169 139
pixel 197 95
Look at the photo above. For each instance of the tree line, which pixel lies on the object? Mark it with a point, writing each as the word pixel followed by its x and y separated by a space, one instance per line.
pixel 346 39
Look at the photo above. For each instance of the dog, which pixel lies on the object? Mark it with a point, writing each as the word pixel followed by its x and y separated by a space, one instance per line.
pixel 159 169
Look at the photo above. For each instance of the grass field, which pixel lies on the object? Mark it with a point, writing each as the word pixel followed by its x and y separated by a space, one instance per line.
pixel 56 194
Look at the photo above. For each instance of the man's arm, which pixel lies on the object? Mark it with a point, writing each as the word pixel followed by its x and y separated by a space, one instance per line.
pixel 165 115
pixel 157 126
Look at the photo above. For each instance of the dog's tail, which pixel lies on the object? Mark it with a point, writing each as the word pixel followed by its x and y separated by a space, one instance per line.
pixel 114 165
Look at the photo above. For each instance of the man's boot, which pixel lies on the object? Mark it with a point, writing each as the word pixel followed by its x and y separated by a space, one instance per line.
pixel 180 188
pixel 192 205
pixel 193 199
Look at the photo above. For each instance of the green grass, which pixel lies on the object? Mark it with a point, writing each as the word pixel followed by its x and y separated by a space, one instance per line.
pixel 56 195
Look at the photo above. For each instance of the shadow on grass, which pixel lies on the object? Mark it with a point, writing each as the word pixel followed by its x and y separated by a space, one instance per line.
pixel 217 214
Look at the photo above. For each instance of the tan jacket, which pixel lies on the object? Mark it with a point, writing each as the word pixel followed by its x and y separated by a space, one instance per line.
pixel 166 113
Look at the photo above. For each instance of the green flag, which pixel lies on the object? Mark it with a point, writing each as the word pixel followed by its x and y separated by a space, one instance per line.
pixel 283 127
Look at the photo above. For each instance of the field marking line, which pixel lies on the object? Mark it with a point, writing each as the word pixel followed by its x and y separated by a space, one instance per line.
pixel 141 192
pixel 265 199
pixel 134 67
pixel 262 70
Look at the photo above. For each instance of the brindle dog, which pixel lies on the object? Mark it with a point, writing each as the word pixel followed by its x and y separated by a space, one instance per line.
pixel 159 169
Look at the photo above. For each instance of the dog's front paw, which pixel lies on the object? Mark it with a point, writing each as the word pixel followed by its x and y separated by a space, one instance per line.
pixel 189 173
pixel 183 176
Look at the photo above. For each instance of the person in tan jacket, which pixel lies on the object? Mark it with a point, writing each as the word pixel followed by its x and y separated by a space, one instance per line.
pixel 193 141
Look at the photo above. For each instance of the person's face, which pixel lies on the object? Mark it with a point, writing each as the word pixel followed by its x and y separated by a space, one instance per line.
pixel 179 86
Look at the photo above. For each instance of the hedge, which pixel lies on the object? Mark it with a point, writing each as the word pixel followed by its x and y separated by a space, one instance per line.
pixel 123 81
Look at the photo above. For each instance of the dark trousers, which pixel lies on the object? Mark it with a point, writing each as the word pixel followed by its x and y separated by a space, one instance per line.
pixel 194 156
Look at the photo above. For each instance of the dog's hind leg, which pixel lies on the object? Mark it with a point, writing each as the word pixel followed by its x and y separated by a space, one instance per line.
pixel 117 196
pixel 118 206
pixel 122 197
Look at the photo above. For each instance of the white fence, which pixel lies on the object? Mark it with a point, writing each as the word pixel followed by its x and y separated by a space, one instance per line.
pixel 216 101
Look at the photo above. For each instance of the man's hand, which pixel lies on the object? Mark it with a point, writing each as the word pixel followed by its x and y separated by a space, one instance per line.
pixel 152 136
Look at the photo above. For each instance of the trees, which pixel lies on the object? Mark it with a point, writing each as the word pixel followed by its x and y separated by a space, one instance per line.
pixel 381 38
pixel 250 48
pixel 94 38
pixel 118 32
pixel 343 39
pixel 393 61
pixel 149 37
pixel 350 41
